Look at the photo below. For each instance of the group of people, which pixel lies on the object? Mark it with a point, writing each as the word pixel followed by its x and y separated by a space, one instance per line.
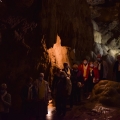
pixel 68 82
pixel 34 96
pixel 66 88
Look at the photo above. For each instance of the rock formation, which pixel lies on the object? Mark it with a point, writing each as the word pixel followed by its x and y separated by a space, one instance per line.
pixel 28 28
pixel 106 21
pixel 107 92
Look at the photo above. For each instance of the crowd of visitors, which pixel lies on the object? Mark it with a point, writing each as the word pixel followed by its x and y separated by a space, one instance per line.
pixel 81 78
pixel 35 98
pixel 68 85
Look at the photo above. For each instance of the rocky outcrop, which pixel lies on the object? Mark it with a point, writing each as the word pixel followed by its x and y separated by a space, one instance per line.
pixel 106 21
pixel 106 92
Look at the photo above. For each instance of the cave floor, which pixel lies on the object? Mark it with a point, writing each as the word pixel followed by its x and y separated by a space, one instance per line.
pixel 85 111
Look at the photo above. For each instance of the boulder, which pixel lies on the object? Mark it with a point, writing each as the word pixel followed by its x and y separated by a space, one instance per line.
pixel 107 93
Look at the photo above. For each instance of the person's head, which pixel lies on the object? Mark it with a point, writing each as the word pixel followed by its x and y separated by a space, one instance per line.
pixel 99 57
pixel 85 62
pixel 3 88
pixel 91 65
pixel 95 64
pixel 29 80
pixel 41 76
pixel 35 83
pixel 75 68
pixel 65 65
pixel 58 70
pixel 62 74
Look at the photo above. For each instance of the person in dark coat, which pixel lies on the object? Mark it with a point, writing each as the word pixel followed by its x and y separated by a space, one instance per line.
pixel 26 95
pixel 77 83
pixel 116 69
pixel 62 92
pixel 102 67
pixel 55 81
pixel 93 76
pixel 90 78
pixel 66 69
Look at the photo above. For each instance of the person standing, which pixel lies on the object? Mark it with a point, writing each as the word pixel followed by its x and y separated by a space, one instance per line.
pixel 90 79
pixel 55 81
pixel 96 73
pixel 5 102
pixel 102 67
pixel 27 95
pixel 41 92
pixel 66 69
pixel 93 76
pixel 84 68
pixel 77 83
pixel 116 69
pixel 62 92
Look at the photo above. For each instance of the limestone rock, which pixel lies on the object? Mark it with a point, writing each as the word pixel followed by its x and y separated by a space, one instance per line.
pixel 28 28
pixel 106 92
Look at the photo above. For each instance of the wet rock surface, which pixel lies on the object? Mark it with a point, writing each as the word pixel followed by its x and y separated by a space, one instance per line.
pixel 106 22
pixel 103 105
pixel 98 107
pixel 107 92
pixel 86 111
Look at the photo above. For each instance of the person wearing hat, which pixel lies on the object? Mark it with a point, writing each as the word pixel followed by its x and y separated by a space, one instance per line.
pixel 5 102
pixel 102 67
pixel 116 69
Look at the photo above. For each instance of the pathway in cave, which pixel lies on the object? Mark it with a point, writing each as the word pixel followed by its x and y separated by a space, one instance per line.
pixel 84 112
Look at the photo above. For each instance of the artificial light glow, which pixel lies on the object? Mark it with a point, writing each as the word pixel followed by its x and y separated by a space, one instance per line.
pixel 51 108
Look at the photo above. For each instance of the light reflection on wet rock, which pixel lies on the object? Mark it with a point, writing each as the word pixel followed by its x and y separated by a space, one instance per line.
pixel 105 112
pixel 103 105
pixel 98 112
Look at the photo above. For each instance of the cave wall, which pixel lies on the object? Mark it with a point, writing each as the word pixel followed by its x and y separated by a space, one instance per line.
pixel 28 28
pixel 69 19
pixel 106 22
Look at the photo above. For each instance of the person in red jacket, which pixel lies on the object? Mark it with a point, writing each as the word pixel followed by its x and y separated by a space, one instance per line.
pixel 84 68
